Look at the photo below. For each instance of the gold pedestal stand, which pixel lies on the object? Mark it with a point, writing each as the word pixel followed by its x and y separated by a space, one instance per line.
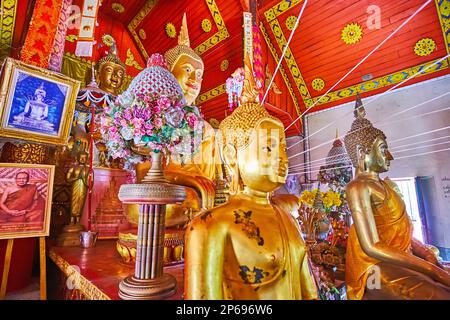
pixel 149 282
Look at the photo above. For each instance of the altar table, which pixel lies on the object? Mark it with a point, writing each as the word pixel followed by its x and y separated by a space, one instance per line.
pixel 95 273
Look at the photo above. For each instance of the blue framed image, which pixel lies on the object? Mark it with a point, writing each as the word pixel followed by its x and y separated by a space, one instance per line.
pixel 37 104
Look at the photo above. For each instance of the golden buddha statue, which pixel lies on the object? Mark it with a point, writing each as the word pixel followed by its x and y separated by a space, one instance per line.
pixel 199 173
pixel 249 248
pixel 111 71
pixel 383 260
pixel 78 176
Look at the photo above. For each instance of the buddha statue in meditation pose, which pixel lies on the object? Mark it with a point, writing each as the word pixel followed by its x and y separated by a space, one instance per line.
pixel 249 247
pixel 383 260
pixel 35 113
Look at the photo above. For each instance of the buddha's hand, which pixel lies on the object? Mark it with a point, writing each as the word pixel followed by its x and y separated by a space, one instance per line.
pixel 441 275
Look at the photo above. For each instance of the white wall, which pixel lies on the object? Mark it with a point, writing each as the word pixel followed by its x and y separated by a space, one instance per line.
pixel 436 165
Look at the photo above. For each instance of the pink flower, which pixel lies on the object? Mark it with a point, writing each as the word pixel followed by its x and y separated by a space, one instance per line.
pixel 148 126
pixel 191 119
pixel 164 103
pixel 158 123
pixel 157 60
pixel 137 123
pixel 156 109
pixel 127 115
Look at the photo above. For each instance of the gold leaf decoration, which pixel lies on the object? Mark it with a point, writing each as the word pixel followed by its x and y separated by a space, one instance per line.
pixel 142 34
pixel 171 31
pixel 224 65
pixel 206 25
pixel 352 33
pixel 131 61
pixel 318 84
pixel 214 123
pixel 424 47
pixel 71 38
pixel 108 40
pixel 118 7
pixel 290 22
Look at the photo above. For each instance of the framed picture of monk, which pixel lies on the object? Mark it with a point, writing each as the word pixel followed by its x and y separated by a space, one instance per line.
pixel 25 200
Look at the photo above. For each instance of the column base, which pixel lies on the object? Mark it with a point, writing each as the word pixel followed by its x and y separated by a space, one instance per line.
pixel 162 287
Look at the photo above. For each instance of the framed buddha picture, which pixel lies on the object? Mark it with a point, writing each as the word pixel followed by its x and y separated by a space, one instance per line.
pixel 25 200
pixel 36 104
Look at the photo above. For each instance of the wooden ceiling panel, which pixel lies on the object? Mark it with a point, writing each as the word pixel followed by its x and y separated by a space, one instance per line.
pixel 318 51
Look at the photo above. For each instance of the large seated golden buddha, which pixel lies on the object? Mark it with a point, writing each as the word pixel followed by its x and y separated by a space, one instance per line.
pixel 249 248
pixel 383 260
pixel 198 172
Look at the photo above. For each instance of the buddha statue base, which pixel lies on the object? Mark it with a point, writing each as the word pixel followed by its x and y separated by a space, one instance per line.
pixel 132 288
pixel 70 237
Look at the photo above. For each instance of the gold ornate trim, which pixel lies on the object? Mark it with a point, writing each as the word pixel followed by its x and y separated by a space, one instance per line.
pixel 220 35
pixel 149 5
pixel 215 39
pixel 380 82
pixel 282 71
pixel 8 20
pixel 443 11
pixel 272 14
pixel 131 61
pixel 86 287
pixel 211 94
pixel 271 18
pixel 280 8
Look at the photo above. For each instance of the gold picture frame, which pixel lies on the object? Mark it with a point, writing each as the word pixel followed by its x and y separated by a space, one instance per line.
pixel 26 192
pixel 36 104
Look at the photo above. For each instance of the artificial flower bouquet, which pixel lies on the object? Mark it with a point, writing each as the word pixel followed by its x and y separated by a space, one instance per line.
pixel 152 120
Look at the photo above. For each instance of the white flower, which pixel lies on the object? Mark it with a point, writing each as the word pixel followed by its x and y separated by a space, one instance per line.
pixel 126 98
pixel 126 133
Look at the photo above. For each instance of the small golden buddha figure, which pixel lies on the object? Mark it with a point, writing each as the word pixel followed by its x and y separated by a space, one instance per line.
pixel 78 176
pixel 383 260
pixel 249 248
pixel 111 71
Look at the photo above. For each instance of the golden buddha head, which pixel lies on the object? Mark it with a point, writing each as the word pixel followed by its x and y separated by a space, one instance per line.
pixel 186 65
pixel 365 144
pixel 111 71
pixel 253 142
pixel 82 157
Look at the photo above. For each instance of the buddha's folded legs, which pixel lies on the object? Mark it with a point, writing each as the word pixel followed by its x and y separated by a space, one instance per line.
pixel 406 284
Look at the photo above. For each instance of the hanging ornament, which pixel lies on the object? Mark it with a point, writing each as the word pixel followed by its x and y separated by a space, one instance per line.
pixel 235 85
pixel 424 47
pixel 352 33
pixel 258 69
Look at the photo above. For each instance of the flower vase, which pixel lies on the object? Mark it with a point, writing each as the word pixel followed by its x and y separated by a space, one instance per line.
pixel 155 174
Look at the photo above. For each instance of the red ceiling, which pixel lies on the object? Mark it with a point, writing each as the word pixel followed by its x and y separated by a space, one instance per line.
pixel 316 48
pixel 320 53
